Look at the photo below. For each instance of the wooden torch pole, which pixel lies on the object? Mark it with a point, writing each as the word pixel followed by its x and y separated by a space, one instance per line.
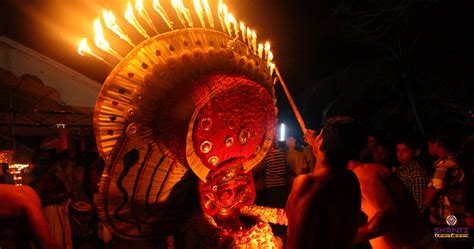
pixel 292 103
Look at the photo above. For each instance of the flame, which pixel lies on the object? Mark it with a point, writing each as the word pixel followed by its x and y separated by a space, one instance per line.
pixel 249 36
pixel 84 49
pixel 270 57
pixel 254 40
pixel 260 50
pixel 100 41
pixel 220 14
pixel 267 49
pixel 144 14
pixel 184 14
pixel 272 67
pixel 110 23
pixel 157 7
pixel 242 29
pixel 200 12
pixel 225 14
pixel 232 24
pixel 130 17
pixel 207 8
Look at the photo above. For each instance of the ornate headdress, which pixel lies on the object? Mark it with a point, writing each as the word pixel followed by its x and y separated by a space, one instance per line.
pixel 195 100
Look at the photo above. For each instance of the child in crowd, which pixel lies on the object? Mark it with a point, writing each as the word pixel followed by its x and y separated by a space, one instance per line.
pixel 411 171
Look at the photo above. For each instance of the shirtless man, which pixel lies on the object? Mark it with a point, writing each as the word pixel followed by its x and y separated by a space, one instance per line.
pixel 393 217
pixel 323 206
pixel 21 220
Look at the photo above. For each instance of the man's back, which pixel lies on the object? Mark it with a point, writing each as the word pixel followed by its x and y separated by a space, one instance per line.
pixel 383 193
pixel 323 210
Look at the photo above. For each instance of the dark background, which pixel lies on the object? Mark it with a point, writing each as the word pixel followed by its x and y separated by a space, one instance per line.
pixel 398 65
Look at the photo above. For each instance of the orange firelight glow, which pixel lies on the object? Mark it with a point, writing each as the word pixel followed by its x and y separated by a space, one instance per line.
pixel 144 14
pixel 220 14
pixel 184 14
pixel 207 9
pixel 157 7
pixel 84 49
pixel 130 17
pixel 200 12
pixel 110 23
pixel 100 41
pixel 230 25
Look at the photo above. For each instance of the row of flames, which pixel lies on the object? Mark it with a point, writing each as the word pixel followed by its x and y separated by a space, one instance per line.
pixel 229 24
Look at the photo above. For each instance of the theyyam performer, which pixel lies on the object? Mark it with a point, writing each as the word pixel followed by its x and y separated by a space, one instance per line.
pixel 180 121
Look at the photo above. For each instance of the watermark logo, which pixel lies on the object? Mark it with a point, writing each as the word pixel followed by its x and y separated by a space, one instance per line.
pixel 451 220
pixel 451 232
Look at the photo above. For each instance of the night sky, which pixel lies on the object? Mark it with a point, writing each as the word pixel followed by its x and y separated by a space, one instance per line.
pixel 375 60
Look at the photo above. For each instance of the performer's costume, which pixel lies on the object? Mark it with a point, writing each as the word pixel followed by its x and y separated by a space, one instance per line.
pixel 181 121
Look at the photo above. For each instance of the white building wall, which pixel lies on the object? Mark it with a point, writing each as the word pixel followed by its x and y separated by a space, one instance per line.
pixel 74 88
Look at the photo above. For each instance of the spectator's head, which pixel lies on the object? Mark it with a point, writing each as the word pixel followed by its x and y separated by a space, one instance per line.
pixel 371 141
pixel 445 140
pixel 291 143
pixel 380 153
pixel 408 149
pixel 341 139
pixel 372 138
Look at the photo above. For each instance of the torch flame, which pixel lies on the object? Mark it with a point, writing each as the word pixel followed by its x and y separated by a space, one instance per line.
pixel 110 23
pixel 267 49
pixel 130 17
pixel 220 13
pixel 260 50
pixel 231 23
pixel 184 14
pixel 207 8
pixel 83 47
pixel 162 13
pixel 225 13
pixel 200 12
pixel 270 57
pixel 144 14
pixel 100 41
pixel 249 36
pixel 254 40
pixel 272 67
pixel 242 29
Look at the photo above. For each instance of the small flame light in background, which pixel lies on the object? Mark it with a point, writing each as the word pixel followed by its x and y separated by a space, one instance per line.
pixel 17 171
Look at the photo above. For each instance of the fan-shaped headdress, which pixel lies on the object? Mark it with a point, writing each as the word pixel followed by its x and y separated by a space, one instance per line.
pixel 181 103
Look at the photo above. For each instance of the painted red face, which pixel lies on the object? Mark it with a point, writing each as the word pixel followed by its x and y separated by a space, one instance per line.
pixel 227 190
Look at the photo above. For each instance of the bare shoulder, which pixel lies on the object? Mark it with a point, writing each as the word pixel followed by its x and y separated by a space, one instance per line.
pixel 19 195
pixel 370 170
pixel 303 182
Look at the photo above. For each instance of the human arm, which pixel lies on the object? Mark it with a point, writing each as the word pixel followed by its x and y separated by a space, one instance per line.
pixel 375 227
pixel 428 196
pixel 31 207
pixel 378 202
pixel 434 186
